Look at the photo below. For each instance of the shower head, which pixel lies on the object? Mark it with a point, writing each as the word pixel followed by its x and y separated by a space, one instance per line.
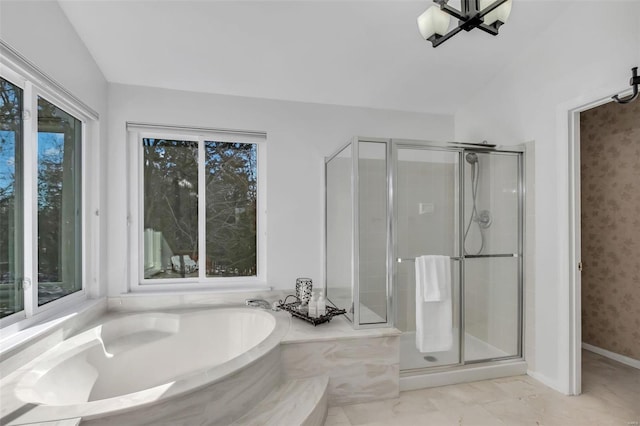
pixel 472 158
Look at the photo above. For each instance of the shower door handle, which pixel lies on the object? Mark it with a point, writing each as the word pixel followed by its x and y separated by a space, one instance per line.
pixel 580 266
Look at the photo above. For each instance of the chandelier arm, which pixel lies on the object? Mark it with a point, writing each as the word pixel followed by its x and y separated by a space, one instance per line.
pixel 469 17
pixel 491 8
pixel 452 11
pixel 435 41
pixel 490 29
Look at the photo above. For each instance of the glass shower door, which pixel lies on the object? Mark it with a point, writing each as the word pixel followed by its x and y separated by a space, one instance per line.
pixel 428 222
pixel 493 256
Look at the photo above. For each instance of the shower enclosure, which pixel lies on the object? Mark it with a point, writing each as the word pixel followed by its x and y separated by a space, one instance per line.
pixel 389 202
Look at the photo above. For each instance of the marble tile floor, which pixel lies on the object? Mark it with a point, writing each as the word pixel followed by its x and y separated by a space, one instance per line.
pixel 611 397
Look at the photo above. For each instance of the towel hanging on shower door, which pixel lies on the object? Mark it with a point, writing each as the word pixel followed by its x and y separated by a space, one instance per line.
pixel 434 312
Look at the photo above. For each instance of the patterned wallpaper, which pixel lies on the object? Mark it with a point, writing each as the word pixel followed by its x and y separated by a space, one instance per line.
pixel 610 184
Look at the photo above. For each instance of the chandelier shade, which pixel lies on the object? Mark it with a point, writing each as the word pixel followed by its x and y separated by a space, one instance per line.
pixel 433 21
pixel 500 14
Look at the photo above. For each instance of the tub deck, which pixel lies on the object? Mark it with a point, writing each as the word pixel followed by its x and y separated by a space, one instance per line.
pixel 147 359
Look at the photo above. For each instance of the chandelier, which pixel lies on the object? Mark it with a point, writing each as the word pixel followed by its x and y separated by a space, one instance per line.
pixel 486 15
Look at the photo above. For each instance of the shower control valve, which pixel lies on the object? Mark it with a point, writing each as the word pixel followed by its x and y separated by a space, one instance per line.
pixel 484 219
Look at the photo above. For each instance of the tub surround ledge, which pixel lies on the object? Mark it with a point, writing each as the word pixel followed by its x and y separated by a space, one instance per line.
pixel 339 328
pixel 359 366
pixel 218 404
pixel 362 365
pixel 20 347
pixel 218 394
pixel 157 300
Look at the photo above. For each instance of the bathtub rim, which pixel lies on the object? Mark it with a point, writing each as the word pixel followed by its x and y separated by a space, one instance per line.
pixel 147 397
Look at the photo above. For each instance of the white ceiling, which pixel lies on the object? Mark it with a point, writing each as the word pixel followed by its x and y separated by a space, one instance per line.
pixel 359 53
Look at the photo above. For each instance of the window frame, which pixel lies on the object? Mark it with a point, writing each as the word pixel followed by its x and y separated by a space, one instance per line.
pixel 35 84
pixel 137 282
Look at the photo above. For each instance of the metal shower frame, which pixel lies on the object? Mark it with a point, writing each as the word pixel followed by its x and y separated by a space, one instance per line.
pixel 392 146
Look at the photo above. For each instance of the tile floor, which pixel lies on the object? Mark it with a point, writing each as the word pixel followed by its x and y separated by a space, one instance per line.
pixel 611 397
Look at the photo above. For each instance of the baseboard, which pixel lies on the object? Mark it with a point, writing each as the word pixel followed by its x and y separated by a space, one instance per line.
pixel 631 362
pixel 547 382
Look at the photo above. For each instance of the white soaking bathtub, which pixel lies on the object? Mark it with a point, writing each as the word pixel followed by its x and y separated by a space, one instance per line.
pixel 174 367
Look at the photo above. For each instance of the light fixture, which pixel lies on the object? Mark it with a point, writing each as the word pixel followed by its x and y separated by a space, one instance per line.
pixel 486 15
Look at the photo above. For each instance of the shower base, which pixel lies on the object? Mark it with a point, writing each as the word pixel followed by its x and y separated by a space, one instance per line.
pixel 474 348
pixel 416 372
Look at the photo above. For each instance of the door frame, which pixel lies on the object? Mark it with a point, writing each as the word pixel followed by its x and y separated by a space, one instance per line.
pixel 572 121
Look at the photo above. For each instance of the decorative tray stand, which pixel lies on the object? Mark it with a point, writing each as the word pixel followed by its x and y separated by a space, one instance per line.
pixel 294 309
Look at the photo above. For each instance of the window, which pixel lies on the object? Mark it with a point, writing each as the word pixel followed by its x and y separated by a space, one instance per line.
pixel 11 295
pixel 170 208
pixel 198 207
pixel 59 203
pixel 41 200
pixel 231 185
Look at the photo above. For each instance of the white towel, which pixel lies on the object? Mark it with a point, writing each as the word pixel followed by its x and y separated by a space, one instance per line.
pixel 433 275
pixel 434 312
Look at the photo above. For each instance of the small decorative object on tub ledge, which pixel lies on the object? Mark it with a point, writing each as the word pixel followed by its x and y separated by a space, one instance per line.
pixel 294 309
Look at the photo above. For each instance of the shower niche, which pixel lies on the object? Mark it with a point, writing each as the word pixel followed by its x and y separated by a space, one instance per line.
pixel 390 202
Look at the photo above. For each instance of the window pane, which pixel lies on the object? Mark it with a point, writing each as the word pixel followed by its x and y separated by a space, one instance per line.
pixel 11 227
pixel 59 204
pixel 231 185
pixel 170 208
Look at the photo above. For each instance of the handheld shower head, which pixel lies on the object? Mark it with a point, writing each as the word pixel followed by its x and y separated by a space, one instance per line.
pixel 472 158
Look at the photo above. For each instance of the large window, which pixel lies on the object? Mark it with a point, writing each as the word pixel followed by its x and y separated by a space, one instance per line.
pixel 41 212
pixel 59 203
pixel 198 208
pixel 11 295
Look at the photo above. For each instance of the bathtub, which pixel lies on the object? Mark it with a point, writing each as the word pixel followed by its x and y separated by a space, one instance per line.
pixel 173 367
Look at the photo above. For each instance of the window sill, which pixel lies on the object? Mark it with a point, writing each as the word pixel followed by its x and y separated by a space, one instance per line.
pixel 195 285
pixel 179 298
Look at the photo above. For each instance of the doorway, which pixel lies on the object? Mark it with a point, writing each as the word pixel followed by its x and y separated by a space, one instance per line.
pixel 605 155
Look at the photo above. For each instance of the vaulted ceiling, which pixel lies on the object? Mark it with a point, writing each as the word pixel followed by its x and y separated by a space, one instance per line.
pixel 359 53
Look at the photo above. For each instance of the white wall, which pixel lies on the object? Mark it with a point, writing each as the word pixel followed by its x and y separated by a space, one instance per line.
pixel 299 136
pixel 41 33
pixel 586 54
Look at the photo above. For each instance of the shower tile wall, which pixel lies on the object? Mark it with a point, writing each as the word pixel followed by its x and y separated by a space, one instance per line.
pixel 610 173
pixel 339 232
pixel 373 236
pixel 477 277
pixel 420 232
